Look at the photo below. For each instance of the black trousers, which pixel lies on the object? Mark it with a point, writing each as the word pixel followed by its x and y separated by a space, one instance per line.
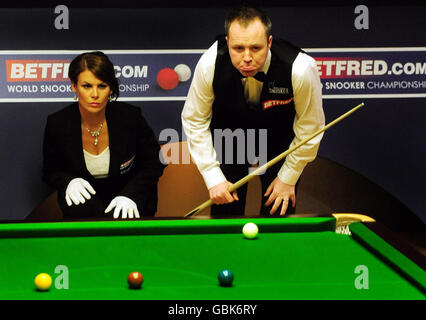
pixel 235 172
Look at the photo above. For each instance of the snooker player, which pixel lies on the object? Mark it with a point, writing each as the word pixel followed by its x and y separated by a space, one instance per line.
pixel 249 81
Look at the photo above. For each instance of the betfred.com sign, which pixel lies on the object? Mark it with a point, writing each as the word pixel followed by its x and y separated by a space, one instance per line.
pixel 156 75
pixel 374 72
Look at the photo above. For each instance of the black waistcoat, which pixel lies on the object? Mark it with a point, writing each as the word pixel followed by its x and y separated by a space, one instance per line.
pixel 275 111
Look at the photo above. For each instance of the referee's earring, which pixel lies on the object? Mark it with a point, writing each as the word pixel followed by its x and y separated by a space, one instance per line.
pixel 110 98
pixel 75 96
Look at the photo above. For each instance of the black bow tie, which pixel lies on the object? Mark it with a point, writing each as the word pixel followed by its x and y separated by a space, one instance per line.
pixel 260 76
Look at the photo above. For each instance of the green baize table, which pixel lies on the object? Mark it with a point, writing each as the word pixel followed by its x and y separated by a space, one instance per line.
pixel 291 258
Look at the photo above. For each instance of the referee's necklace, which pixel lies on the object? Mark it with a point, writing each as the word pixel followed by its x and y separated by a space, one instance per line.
pixel 95 133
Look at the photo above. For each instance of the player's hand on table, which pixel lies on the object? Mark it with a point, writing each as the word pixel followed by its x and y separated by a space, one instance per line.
pixel 219 193
pixel 126 206
pixel 78 191
pixel 280 193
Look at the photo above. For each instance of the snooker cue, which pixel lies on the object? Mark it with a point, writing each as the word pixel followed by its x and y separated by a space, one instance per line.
pixel 270 163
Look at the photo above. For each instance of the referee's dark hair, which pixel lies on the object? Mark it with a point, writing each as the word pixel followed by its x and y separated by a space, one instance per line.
pixel 245 14
pixel 99 64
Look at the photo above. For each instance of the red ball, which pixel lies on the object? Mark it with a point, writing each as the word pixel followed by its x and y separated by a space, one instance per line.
pixel 167 79
pixel 135 280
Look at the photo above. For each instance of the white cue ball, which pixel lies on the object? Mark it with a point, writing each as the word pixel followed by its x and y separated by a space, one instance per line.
pixel 183 72
pixel 250 230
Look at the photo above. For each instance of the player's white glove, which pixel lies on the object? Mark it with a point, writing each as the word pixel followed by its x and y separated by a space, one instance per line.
pixel 125 205
pixel 77 191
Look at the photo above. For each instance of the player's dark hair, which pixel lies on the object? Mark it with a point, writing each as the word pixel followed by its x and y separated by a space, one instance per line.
pixel 99 64
pixel 245 14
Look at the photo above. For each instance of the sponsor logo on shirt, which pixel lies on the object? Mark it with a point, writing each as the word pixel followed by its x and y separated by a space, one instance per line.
pixel 272 103
pixel 277 90
pixel 125 167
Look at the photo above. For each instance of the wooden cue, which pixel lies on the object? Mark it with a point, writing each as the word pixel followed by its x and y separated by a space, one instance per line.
pixel 270 163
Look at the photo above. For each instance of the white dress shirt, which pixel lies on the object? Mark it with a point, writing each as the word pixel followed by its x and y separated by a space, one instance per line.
pixel 97 165
pixel 197 113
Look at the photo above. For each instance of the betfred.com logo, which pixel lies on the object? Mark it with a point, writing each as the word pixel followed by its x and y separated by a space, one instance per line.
pixel 37 70
pixel 331 67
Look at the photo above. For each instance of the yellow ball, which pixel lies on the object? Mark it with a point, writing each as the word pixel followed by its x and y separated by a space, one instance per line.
pixel 43 281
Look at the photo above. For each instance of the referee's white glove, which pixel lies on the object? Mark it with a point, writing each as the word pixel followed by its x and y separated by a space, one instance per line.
pixel 77 191
pixel 126 206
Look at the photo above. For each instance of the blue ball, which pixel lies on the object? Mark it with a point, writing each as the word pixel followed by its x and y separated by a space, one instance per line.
pixel 225 278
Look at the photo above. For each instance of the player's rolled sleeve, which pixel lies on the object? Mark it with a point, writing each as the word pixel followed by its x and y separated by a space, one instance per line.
pixel 309 117
pixel 196 118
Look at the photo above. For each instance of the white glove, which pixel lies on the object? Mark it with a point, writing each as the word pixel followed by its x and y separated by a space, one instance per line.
pixel 127 206
pixel 76 191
